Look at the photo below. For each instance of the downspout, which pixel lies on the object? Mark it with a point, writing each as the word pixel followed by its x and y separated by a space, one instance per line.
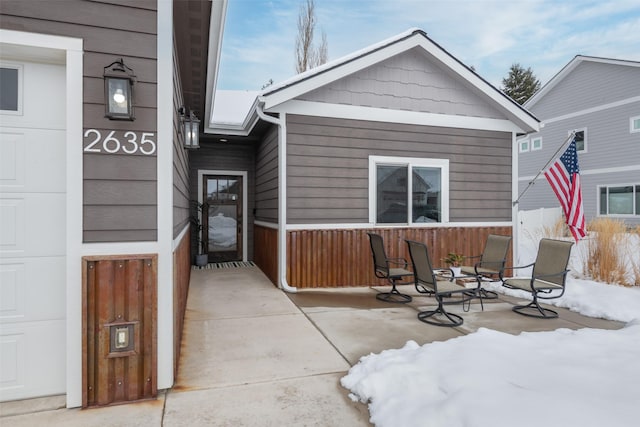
pixel 281 122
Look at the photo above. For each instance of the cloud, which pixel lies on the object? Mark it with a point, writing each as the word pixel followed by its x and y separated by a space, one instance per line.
pixel 488 34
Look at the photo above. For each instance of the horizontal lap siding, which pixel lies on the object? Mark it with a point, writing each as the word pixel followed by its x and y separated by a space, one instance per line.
pixel 267 178
pixel 337 258
pixel 328 160
pixel 110 30
pixel 180 160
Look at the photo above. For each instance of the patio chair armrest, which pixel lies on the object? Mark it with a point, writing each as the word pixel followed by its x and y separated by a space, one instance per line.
pixel 398 261
pixel 542 276
pixel 502 270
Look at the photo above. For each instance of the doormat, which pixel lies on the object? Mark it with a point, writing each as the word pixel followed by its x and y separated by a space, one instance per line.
pixel 232 264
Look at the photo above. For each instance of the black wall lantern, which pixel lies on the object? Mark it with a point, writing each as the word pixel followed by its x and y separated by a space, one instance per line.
pixel 118 91
pixel 190 128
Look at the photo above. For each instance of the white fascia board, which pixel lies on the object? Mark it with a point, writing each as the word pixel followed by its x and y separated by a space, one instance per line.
pixel 216 31
pixel 355 112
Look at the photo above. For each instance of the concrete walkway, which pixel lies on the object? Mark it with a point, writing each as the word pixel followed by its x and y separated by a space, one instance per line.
pixel 255 356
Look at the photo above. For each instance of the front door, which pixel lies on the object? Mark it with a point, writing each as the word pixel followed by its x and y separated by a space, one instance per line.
pixel 223 223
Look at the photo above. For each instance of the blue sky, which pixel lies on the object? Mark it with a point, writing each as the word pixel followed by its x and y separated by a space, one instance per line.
pixel 259 35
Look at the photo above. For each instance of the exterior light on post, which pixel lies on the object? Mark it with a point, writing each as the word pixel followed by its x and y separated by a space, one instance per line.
pixel 118 91
pixel 190 128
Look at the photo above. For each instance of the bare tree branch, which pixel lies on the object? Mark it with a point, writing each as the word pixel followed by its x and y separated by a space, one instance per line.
pixel 307 55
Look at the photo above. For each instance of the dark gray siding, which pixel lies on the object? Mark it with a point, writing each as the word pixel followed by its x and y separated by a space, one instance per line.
pixel 409 81
pixel 110 30
pixel 590 84
pixel 180 160
pixel 235 156
pixel 267 178
pixel 328 161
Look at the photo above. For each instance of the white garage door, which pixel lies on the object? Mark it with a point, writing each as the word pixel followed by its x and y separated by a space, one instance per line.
pixel 32 230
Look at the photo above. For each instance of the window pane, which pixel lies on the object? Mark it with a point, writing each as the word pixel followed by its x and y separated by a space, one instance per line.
pixel 636 124
pixel 392 188
pixel 427 198
pixel 579 140
pixel 621 200
pixel 536 144
pixel 603 200
pixel 9 89
pixel 637 212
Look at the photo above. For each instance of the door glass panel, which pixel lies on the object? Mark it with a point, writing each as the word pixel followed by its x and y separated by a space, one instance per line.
pixel 222 197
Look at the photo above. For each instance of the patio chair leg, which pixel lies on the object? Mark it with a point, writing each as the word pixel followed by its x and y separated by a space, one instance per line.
pixel 485 294
pixel 533 309
pixel 454 319
pixel 394 295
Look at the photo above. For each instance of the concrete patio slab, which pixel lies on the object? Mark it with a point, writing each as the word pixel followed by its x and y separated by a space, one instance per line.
pixel 224 352
pixel 317 400
pixel 357 333
pixel 140 414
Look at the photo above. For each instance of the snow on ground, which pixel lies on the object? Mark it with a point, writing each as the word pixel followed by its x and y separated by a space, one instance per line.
pixel 588 377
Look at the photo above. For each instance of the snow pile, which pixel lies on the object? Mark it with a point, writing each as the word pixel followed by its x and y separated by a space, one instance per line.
pixel 581 378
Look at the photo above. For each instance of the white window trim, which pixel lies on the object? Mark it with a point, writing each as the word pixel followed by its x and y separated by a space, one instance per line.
pixel 523 146
pixel 631 128
pixel 584 130
pixel 533 146
pixel 599 187
pixel 19 67
pixel 443 164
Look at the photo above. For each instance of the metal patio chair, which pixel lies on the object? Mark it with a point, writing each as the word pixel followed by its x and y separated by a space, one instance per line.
pixel 383 270
pixel 490 263
pixel 547 280
pixel 424 275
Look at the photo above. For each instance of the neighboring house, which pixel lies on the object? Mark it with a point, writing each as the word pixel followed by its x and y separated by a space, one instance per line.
pixel 94 213
pixel 399 138
pixel 599 98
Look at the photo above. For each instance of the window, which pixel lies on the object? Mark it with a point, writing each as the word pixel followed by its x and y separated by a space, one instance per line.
pixel 536 143
pixel 619 200
pixel 408 190
pixel 10 93
pixel 581 139
pixel 524 146
pixel 634 124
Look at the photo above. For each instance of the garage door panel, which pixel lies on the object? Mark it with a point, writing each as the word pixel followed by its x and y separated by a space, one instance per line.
pixel 32 225
pixel 43 150
pixel 33 234
pixel 44 92
pixel 33 359
pixel 32 289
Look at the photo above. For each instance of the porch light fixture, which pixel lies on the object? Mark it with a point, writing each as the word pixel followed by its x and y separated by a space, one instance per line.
pixel 190 128
pixel 118 91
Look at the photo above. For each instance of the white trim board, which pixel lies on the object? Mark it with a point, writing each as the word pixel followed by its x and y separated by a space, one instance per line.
pixel 592 110
pixel 364 225
pixel 355 112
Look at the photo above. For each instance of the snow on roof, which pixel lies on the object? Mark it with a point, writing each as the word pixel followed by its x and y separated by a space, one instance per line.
pixel 231 107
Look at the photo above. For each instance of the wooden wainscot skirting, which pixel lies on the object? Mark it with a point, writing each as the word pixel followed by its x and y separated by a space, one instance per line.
pixel 119 329
pixel 340 258
pixel 265 252
pixel 181 277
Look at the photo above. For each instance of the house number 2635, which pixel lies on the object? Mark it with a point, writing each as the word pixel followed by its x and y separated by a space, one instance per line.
pixel 130 142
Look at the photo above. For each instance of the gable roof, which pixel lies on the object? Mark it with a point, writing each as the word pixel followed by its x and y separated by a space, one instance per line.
pixel 567 69
pixel 332 71
pixel 412 38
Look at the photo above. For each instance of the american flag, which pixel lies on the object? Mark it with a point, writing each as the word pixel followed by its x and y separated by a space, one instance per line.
pixel 564 177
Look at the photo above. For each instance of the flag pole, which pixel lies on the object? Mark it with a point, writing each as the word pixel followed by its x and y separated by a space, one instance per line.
pixel 533 181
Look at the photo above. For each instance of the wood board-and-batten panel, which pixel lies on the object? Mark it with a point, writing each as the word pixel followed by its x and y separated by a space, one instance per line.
pixel 119 324
pixel 336 258
pixel 265 253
